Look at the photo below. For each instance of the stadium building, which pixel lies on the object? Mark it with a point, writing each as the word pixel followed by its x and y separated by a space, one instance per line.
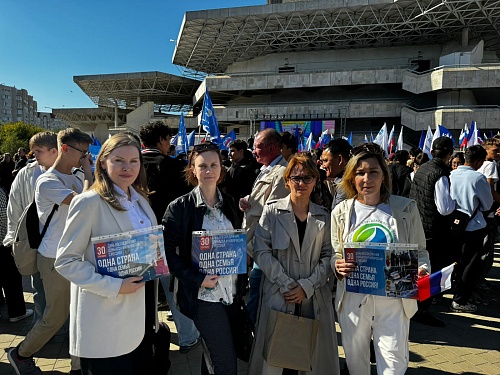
pixel 352 64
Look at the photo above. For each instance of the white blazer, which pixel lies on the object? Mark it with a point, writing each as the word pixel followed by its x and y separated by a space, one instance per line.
pixel 103 323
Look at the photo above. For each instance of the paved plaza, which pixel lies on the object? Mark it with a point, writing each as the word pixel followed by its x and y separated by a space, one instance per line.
pixel 469 344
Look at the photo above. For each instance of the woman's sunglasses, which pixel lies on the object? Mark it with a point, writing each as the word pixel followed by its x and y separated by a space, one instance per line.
pixel 371 148
pixel 206 146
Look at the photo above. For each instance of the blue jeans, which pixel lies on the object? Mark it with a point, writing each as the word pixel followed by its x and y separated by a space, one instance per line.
pixel 38 296
pixel 254 293
pixel 186 330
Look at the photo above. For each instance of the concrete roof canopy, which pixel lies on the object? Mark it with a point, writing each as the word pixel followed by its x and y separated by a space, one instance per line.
pixel 169 92
pixel 211 40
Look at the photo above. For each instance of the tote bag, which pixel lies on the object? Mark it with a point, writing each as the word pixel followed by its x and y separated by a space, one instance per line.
pixel 290 341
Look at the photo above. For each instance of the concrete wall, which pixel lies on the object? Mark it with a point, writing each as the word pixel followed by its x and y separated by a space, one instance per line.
pixel 487 76
pixel 456 97
pixel 486 118
pixel 471 57
pixel 339 59
pixel 140 116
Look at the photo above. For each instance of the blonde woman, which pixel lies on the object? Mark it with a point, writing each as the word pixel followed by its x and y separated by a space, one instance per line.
pixel 112 320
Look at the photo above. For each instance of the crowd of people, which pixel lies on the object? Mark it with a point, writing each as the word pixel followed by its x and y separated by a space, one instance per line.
pixel 299 210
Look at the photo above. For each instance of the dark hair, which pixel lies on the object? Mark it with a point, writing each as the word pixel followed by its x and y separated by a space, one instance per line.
pixel 44 139
pixel 401 156
pixel 491 142
pixel 152 133
pixel 339 146
pixel 289 141
pixel 475 153
pixel 224 153
pixel 460 155
pixel 421 159
pixel 197 150
pixel 172 147
pixel 238 144
pixel 72 136
pixel 415 151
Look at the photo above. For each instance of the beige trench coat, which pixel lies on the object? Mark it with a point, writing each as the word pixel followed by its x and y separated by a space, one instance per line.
pixel 277 251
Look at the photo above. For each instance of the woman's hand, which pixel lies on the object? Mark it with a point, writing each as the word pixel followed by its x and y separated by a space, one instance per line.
pixel 422 272
pixel 210 281
pixel 344 268
pixel 296 293
pixel 131 285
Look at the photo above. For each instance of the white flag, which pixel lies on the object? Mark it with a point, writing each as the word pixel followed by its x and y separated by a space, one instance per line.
pixel 399 146
pixel 428 142
pixel 382 138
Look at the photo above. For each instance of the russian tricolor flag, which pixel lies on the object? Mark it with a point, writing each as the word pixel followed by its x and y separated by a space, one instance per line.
pixel 435 283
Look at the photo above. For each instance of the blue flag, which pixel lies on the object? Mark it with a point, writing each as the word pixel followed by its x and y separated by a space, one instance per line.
pixel 209 121
pixel 349 139
pixel 422 140
pixel 181 146
pixel 95 141
pixel 231 136
pixel 191 138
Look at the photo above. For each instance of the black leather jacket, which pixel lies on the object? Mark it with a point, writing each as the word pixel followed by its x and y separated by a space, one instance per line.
pixel 183 216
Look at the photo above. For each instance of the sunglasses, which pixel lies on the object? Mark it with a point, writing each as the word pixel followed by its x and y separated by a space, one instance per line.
pixel 206 146
pixel 305 179
pixel 84 152
pixel 370 148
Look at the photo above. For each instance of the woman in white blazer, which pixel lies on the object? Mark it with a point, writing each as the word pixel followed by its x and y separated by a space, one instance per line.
pixel 371 214
pixel 112 320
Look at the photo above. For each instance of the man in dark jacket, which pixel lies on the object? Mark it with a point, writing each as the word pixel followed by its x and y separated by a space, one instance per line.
pixel 240 175
pixel 400 174
pixel 166 181
pixel 431 191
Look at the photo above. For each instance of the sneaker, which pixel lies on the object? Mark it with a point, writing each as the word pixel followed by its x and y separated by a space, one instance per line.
pixel 184 349
pixel 24 366
pixel 170 317
pixel 468 308
pixel 28 313
pixel 428 319
pixel 477 299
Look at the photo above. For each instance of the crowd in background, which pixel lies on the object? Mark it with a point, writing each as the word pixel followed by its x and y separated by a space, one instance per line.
pixel 298 210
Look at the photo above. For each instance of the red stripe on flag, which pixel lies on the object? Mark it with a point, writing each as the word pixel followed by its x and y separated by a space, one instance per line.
pixel 424 288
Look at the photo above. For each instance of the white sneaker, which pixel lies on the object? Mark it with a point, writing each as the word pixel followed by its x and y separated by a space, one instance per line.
pixel 29 312
pixel 468 308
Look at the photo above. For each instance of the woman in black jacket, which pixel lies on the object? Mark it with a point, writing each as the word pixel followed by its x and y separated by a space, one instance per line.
pixel 207 299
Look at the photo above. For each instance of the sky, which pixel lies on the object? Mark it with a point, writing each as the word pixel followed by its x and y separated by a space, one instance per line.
pixel 43 44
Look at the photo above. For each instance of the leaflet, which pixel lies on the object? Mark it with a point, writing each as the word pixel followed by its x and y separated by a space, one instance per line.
pixel 389 270
pixel 219 252
pixel 136 253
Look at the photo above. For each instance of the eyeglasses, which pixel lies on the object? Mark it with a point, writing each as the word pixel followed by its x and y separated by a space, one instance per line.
pixel 206 146
pixel 84 152
pixel 305 179
pixel 371 148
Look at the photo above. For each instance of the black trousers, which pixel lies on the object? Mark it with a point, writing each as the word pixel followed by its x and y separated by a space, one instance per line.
pixel 137 362
pixel 468 269
pixel 12 283
pixel 214 322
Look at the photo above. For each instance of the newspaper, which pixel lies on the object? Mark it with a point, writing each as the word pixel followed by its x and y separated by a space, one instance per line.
pixel 219 252
pixel 389 270
pixel 136 253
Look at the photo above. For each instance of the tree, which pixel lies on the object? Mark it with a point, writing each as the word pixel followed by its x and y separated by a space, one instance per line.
pixel 15 135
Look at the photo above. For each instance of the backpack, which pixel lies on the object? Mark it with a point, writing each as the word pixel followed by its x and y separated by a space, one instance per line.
pixel 28 238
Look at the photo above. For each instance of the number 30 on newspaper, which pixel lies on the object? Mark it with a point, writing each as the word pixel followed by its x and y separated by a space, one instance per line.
pixel 389 270
pixel 136 253
pixel 220 252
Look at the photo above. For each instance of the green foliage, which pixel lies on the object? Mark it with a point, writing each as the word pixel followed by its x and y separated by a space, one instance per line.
pixel 15 135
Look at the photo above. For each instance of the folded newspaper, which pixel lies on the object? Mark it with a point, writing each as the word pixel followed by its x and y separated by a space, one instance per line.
pixel 136 253
pixel 389 270
pixel 220 252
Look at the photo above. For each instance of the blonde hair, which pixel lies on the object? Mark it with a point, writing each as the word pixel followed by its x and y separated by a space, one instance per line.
pixel 103 184
pixel 44 139
pixel 367 152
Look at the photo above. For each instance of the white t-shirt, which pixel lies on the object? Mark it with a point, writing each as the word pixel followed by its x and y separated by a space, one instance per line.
pixel 52 190
pixel 372 224
pixel 489 170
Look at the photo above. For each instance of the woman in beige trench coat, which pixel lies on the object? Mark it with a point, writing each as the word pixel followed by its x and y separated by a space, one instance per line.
pixel 292 247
